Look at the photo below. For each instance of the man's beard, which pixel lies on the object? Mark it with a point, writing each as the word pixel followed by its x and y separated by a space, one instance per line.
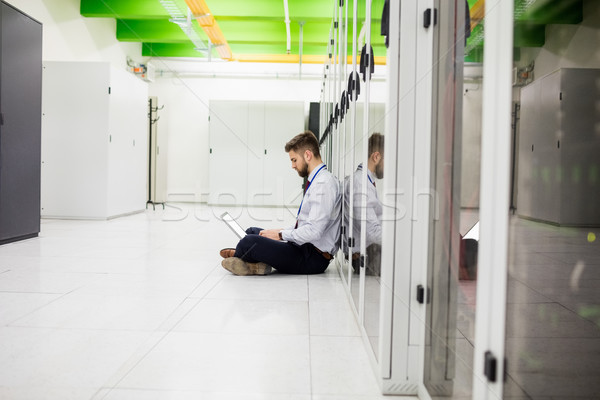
pixel 379 171
pixel 303 171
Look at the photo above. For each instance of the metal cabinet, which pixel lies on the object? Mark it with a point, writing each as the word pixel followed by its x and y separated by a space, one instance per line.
pixel 558 148
pixel 95 142
pixel 20 124
pixel 252 135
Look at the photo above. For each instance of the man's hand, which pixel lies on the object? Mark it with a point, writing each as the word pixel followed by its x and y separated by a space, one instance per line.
pixel 270 233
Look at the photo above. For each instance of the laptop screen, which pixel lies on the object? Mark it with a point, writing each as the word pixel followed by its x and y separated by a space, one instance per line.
pixel 233 225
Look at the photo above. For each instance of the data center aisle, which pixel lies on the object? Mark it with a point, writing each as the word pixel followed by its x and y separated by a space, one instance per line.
pixel 140 308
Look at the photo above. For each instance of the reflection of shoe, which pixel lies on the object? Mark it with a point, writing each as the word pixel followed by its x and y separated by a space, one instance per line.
pixel 237 266
pixel 227 252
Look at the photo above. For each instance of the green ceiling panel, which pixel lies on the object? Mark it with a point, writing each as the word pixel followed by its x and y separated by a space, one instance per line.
pixel 529 35
pixel 549 11
pixel 127 9
pixel 170 50
pixel 525 35
pixel 160 31
pixel 299 10
pixel 269 31
pixel 307 49
pixel 257 26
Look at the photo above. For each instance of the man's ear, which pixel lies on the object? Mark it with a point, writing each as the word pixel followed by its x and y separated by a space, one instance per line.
pixel 376 156
pixel 308 155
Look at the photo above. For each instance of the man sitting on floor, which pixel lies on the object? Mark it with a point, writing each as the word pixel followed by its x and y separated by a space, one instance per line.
pixel 307 247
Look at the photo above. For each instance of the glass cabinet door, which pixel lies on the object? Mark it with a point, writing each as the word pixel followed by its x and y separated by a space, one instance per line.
pixel 455 160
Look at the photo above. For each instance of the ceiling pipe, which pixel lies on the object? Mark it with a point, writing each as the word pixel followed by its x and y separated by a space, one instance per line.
pixel 287 26
pixel 361 36
pixel 300 48
pixel 184 21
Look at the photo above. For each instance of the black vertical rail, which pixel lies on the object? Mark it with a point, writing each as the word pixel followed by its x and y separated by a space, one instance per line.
pixel 150 153
pixel 151 121
pixel 515 120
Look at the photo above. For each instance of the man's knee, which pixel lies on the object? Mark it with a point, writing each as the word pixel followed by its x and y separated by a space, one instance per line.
pixel 253 230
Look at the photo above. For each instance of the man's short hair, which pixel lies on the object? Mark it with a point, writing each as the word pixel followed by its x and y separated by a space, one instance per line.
pixel 376 143
pixel 302 142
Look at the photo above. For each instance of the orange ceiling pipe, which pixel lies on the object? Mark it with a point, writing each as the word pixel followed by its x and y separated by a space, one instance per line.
pixel 477 13
pixel 210 26
pixel 293 58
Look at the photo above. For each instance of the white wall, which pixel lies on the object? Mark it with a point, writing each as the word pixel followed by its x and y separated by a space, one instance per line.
pixel 186 98
pixel 67 36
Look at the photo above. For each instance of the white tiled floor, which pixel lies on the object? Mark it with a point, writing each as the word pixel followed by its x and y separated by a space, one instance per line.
pixel 140 308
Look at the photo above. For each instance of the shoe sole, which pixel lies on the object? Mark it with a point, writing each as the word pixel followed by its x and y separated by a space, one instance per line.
pixel 239 267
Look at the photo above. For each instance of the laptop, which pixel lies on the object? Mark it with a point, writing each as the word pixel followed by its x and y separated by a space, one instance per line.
pixel 233 225
pixel 473 233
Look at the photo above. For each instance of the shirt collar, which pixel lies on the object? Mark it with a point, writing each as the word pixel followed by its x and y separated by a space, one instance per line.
pixel 369 174
pixel 314 171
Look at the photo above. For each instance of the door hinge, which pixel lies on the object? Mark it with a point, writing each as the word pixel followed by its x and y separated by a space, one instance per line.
pixel 420 294
pixel 109 90
pixel 490 367
pixel 428 16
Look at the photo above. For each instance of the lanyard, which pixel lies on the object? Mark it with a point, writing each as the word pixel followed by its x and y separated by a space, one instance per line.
pixel 368 177
pixel 307 186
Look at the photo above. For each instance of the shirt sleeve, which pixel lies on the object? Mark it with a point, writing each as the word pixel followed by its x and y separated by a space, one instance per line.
pixel 373 223
pixel 317 213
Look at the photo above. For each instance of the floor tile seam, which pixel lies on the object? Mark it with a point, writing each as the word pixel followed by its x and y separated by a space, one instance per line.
pixel 75 329
pixel 28 292
pixel 253 298
pixel 594 324
pixel 345 336
pixel 204 279
pixel 309 326
pixel 60 296
pixel 551 256
pixel 550 301
pixel 165 333
pixel 135 363
pixel 514 381
pixel 243 300
pixel 563 337
pixel 195 301
pixel 196 391
pixel 245 334
pixel 241 334
pixel 529 287
pixel 342 301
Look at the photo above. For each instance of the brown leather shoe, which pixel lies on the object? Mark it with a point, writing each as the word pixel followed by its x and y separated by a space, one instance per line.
pixel 227 252
pixel 237 266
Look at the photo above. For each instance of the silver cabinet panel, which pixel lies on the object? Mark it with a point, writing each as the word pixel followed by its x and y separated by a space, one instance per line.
pixel 20 128
pixel 248 164
pixel 559 145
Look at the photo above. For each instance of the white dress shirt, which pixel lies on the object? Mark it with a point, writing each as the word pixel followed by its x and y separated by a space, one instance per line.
pixel 319 214
pixel 374 209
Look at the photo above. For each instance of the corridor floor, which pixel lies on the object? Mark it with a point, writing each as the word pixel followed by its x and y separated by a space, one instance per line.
pixel 139 307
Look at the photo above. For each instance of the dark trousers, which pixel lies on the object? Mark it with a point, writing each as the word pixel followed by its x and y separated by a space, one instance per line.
pixel 285 257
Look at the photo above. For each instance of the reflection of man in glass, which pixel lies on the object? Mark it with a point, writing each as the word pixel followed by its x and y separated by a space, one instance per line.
pixel 374 208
